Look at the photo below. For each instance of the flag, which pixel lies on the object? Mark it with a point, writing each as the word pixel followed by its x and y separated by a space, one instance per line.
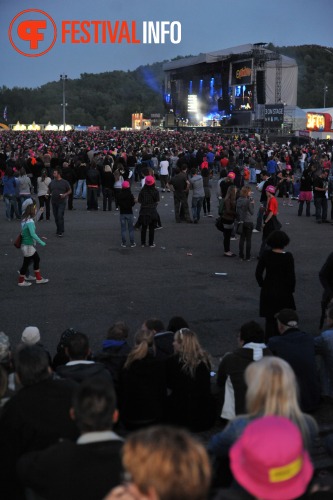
pixel 5 114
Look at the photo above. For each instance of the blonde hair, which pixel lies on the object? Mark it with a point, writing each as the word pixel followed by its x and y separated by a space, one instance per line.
pixel 272 390
pixel 168 460
pixel 190 352
pixel 144 340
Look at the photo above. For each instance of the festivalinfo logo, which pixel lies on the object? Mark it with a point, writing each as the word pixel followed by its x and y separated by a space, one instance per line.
pixel 33 32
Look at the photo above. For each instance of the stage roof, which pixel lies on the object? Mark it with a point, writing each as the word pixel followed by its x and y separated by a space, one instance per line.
pixel 219 55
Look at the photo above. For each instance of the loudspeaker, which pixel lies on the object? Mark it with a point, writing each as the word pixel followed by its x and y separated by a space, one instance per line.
pixel 225 101
pixel 169 120
pixel 261 95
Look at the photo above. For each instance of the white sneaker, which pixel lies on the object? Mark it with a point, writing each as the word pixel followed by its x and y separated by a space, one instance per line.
pixel 42 281
pixel 30 278
pixel 234 238
pixel 24 283
pixel 255 231
pixel 133 245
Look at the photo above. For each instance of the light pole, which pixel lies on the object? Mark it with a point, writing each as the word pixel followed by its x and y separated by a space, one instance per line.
pixel 63 78
pixel 325 92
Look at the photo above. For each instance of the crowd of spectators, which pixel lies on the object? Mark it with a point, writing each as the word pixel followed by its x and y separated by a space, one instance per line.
pixel 120 422
pixel 73 424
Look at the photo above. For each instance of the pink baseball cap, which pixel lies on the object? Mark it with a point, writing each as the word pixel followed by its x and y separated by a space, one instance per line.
pixel 270 189
pixel 269 459
pixel 149 180
pixel 231 175
pixel 125 185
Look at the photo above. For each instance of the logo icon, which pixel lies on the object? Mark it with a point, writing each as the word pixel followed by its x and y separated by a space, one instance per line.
pixel 37 35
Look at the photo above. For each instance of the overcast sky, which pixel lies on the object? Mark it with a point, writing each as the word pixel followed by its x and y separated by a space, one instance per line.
pixel 205 27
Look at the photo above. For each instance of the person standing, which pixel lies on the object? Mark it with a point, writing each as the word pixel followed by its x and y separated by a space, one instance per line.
pixel 43 183
pixel 60 190
pixel 148 198
pixel 228 218
pixel 29 237
pixel 305 194
pixel 126 202
pixel 180 186
pixel 9 194
pixel 320 187
pixel 244 211
pixel 107 187
pixel 93 183
pixel 271 222
pixel 164 173
pixel 196 183
pixel 275 275
pixel 81 185
pixel 68 173
pixel 207 181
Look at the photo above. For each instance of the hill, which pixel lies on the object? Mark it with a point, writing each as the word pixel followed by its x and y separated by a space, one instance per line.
pixel 108 99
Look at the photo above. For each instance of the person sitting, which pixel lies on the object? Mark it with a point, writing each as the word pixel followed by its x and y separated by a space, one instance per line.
pixel 230 376
pixel 271 390
pixel 115 350
pixel 164 464
pixel 80 366
pixel 142 386
pixel 89 467
pixel 176 323
pixel 61 358
pixel 297 348
pixel 323 347
pixel 163 339
pixel 270 462
pixel 190 403
pixel 36 416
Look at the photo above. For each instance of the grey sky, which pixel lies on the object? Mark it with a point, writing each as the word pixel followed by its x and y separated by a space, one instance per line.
pixel 206 26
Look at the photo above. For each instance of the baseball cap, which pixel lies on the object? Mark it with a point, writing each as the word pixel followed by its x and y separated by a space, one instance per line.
pixel 149 180
pixel 30 335
pixel 125 185
pixel 287 317
pixel 270 189
pixel 269 459
pixel 231 175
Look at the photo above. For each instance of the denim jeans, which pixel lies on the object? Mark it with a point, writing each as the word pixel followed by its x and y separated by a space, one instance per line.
pixel 11 206
pixel 321 208
pixel 126 222
pixel 253 177
pixel 81 189
pixel 196 207
pixel 58 212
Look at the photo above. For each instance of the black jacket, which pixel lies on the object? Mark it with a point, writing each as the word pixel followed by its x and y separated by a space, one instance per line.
pixel 125 201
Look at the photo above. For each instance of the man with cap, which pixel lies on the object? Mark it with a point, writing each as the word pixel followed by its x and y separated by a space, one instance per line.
pixel 126 202
pixel 297 348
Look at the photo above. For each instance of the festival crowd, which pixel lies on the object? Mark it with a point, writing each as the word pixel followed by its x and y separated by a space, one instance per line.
pixel 126 422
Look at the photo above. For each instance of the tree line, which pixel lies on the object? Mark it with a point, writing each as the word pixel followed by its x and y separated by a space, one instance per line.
pixel 109 99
